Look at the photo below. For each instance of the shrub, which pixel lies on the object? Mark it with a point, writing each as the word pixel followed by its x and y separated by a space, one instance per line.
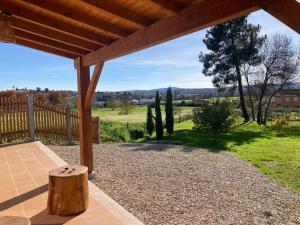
pixel 121 132
pixel 278 124
pixel 217 116
pixel 114 132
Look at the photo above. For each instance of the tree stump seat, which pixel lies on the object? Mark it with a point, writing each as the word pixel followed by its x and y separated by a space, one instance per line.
pixel 68 190
pixel 14 220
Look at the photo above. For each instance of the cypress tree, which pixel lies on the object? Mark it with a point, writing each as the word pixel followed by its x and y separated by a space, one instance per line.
pixel 149 123
pixel 158 120
pixel 169 112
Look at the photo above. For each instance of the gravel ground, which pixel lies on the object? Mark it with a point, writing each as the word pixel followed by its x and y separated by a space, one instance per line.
pixel 169 184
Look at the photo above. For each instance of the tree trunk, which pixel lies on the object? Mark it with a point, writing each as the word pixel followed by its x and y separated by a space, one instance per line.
pixel 241 93
pixel 68 190
pixel 250 98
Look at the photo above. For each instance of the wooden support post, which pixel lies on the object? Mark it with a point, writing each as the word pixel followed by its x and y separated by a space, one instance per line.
pixel 69 126
pixel 85 116
pixel 31 127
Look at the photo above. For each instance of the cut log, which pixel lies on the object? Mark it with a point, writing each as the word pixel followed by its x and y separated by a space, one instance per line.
pixel 14 220
pixel 68 190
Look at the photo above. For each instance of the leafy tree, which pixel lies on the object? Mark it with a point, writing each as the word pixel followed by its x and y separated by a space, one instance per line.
pixel 217 116
pixel 169 112
pixel 231 45
pixel 112 103
pixel 158 119
pixel 149 122
pixel 38 89
pixel 125 106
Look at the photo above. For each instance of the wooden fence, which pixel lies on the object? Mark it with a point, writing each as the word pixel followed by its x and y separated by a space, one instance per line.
pixel 24 118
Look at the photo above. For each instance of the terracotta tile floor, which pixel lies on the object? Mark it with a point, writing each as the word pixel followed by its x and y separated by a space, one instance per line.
pixel 23 189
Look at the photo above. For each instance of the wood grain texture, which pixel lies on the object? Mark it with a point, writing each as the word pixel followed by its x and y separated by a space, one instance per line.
pixel 196 17
pixel 68 192
pixel 85 116
pixel 287 11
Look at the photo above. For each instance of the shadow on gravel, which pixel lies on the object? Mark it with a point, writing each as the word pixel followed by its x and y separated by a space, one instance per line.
pixel 154 146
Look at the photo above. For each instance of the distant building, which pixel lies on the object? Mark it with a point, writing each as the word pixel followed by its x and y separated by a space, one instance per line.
pixel 145 101
pixel 99 104
pixel 135 102
pixel 289 98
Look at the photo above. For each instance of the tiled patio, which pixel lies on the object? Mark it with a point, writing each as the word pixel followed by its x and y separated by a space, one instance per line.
pixel 23 190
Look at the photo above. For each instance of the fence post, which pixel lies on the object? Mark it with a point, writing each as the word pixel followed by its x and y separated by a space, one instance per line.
pixel 69 126
pixel 31 128
pixel 96 130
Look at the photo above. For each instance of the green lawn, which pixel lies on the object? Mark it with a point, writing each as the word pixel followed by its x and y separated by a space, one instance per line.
pixel 137 115
pixel 274 153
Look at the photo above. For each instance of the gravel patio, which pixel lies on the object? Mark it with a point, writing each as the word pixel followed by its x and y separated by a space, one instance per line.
pixel 170 184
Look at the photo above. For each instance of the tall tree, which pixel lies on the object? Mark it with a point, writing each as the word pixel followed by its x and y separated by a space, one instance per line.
pixel 279 68
pixel 231 45
pixel 169 112
pixel 149 122
pixel 158 119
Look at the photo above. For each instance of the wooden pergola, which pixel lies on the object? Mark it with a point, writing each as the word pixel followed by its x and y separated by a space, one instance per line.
pixel 91 32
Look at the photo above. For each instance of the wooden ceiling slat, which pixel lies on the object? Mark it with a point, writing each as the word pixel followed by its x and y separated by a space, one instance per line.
pixel 121 12
pixel 287 11
pixel 97 24
pixel 53 34
pixel 170 5
pixel 44 48
pixel 53 23
pixel 196 17
pixel 48 42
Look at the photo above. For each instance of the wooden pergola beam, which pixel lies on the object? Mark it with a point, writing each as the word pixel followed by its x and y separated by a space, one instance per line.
pixel 170 5
pixel 287 11
pixel 34 28
pixel 97 24
pixel 92 86
pixel 48 42
pixel 196 17
pixel 27 14
pixel 44 48
pixel 121 12
pixel 85 116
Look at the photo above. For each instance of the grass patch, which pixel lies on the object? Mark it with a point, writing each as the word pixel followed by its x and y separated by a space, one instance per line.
pixel 137 115
pixel 276 153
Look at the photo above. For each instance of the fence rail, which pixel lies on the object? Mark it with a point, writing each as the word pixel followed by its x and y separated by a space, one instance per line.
pixel 22 118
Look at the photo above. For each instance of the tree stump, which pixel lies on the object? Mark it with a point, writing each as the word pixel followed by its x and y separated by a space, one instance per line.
pixel 68 190
pixel 14 220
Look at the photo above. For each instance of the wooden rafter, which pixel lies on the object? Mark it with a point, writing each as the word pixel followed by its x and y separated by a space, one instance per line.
pixel 170 5
pixel 92 86
pixel 25 13
pixel 48 42
pixel 287 11
pixel 37 29
pixel 121 12
pixel 197 17
pixel 44 48
pixel 52 6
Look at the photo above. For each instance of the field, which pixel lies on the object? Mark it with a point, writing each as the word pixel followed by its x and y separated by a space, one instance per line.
pixel 276 153
pixel 137 115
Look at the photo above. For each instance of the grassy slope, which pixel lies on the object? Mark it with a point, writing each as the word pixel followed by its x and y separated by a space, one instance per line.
pixel 137 115
pixel 274 153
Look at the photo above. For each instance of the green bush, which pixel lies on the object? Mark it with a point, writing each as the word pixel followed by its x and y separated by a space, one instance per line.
pixel 114 132
pixel 217 116
pixel 120 132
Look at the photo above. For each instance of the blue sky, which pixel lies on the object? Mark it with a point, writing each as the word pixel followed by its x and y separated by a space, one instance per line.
pixel 174 63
